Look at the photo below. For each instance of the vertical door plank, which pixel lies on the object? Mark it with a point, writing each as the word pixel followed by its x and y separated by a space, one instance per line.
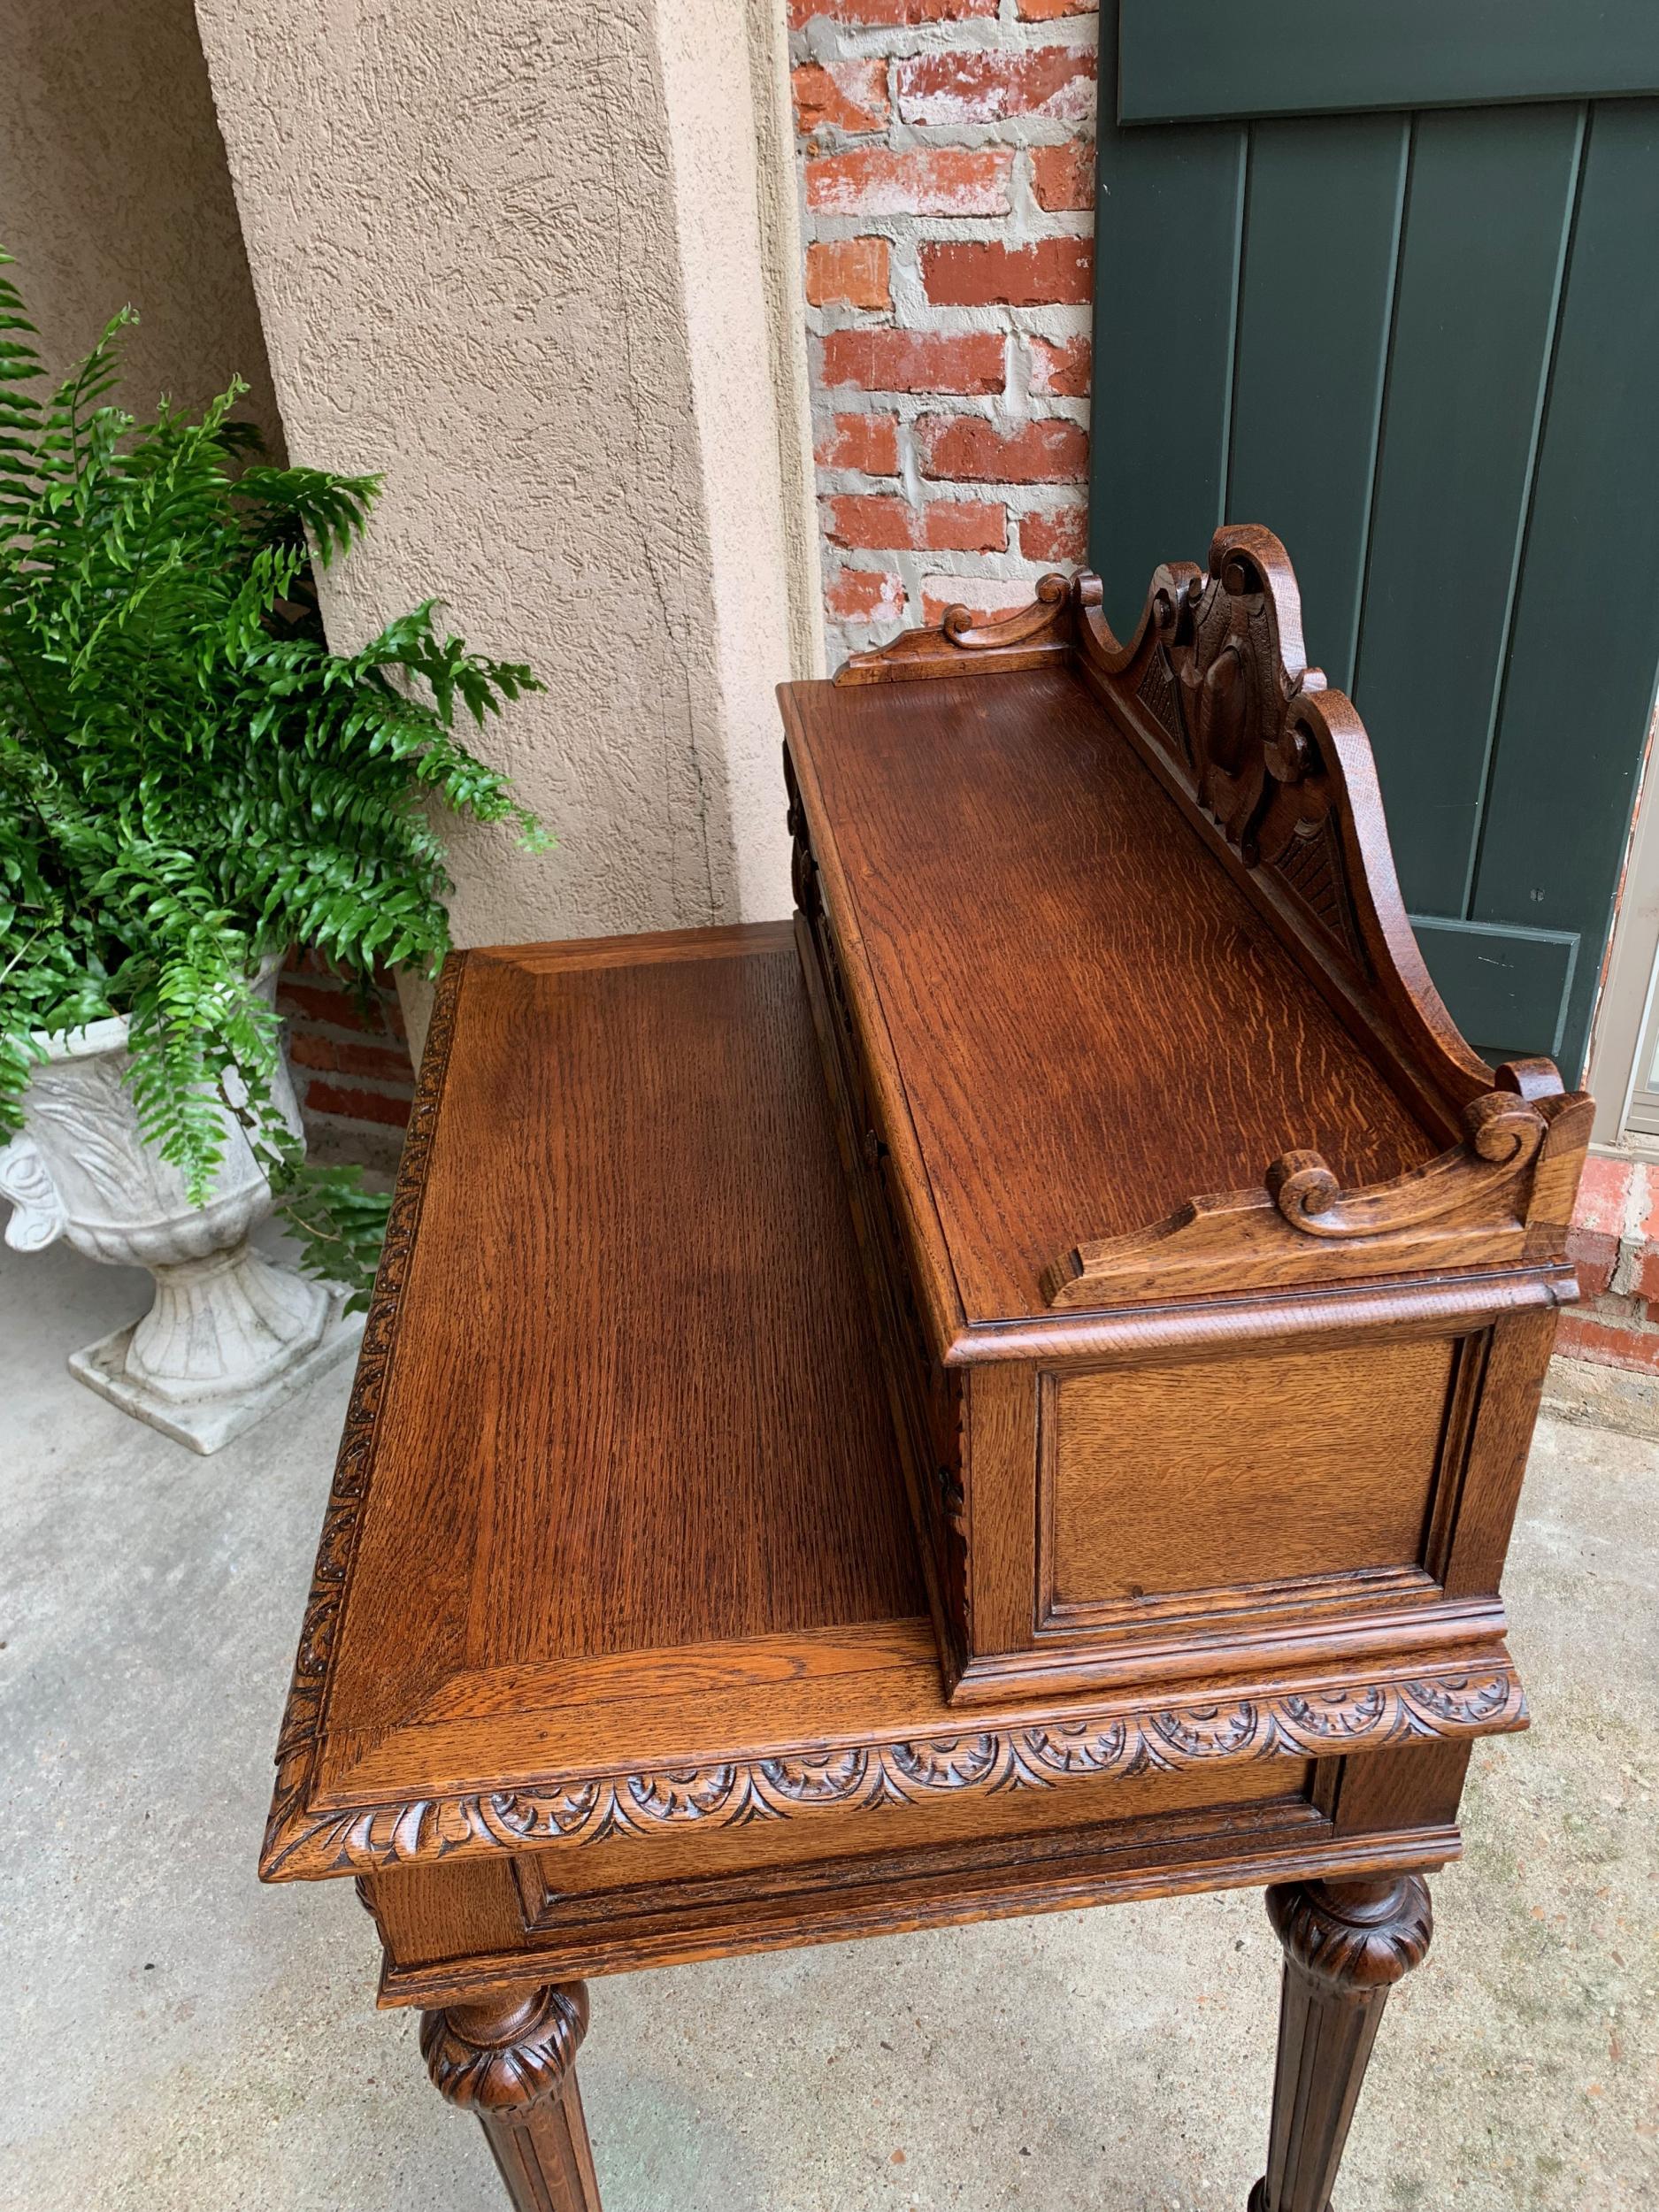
pixel 1322 224
pixel 1586 637
pixel 1167 219
pixel 1484 245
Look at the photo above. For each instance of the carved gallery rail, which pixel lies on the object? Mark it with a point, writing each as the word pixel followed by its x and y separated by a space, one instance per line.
pixel 724 1376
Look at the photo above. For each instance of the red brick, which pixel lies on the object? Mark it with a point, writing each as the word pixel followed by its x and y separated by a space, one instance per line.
pixel 355 1105
pixel 1060 372
pixel 917 360
pixel 1046 11
pixel 1641 1214
pixel 340 1009
pixel 843 96
pixel 986 598
pixel 886 14
pixel 1062 177
pixel 968 450
pixel 864 595
pixel 385 1062
pixel 1055 533
pixel 1603 1191
pixel 974 85
pixel 1056 271
pixel 848 272
pixel 921 180
pixel 870 442
pixel 1586 1336
pixel 1643 1274
pixel 1595 1256
pixel 882 521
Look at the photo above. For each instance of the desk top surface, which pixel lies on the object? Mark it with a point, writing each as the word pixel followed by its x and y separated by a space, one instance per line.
pixel 1091 1021
pixel 618 1517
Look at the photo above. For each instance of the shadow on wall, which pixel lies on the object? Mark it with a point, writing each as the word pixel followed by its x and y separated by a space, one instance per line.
pixel 114 188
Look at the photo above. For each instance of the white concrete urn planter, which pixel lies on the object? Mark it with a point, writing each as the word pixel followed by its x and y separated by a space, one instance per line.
pixel 231 1335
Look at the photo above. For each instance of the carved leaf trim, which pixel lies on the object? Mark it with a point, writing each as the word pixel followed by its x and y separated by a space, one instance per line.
pixel 1302 1723
pixel 302 1718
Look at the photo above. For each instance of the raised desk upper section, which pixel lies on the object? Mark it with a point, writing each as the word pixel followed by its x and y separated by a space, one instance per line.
pixel 1117 931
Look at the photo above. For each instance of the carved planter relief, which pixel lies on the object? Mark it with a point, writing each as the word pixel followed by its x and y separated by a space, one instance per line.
pixel 230 1334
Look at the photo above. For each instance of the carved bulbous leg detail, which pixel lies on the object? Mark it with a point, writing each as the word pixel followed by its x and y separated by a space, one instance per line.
pixel 1345 1945
pixel 511 2058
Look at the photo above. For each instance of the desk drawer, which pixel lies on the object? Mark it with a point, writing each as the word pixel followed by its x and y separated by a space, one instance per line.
pixel 607 1906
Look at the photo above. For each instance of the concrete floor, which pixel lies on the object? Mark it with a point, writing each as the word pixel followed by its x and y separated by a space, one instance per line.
pixel 173 2036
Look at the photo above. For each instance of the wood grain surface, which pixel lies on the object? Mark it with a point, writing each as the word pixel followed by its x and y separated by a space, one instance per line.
pixel 1288 1465
pixel 634 1313
pixel 1092 1021
pixel 568 1592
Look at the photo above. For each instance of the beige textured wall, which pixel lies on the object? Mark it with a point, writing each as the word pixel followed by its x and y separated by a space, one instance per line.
pixel 492 263
pixel 113 189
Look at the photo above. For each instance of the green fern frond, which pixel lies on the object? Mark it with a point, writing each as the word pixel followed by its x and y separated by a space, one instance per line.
pixel 190 780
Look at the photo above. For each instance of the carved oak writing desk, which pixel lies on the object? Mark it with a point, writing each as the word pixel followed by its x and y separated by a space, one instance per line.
pixel 617 1651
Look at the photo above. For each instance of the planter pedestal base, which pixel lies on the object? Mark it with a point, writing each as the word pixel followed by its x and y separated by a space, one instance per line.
pixel 206 1424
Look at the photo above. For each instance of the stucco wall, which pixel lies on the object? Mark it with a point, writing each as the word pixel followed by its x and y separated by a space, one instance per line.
pixel 474 226
pixel 113 189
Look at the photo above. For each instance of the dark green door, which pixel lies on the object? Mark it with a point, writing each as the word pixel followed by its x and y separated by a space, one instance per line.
pixel 1386 280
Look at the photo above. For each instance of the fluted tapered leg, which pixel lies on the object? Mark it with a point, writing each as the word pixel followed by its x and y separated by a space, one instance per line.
pixel 511 2058
pixel 1345 1945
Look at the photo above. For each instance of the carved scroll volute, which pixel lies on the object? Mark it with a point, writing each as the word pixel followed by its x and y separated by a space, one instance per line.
pixel 1503 1134
pixel 959 645
pixel 1481 1202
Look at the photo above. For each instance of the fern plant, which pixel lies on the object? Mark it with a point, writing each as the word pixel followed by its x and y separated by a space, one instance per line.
pixel 191 781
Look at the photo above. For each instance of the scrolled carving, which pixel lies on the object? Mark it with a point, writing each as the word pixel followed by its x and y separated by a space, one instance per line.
pixel 508 2052
pixel 1503 1128
pixel 1483 1181
pixel 1036 632
pixel 1244 685
pixel 1503 1136
pixel 1303 1187
pixel 959 625
pixel 818 1779
pixel 1354 1937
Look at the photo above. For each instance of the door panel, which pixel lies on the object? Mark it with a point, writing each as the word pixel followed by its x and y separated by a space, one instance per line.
pixel 1207 58
pixel 1323 195
pixel 1163 331
pixel 1505 981
pixel 1417 345
pixel 1579 683
pixel 1475 310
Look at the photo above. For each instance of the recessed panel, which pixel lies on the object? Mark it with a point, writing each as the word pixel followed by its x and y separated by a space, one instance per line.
pixel 1217 1474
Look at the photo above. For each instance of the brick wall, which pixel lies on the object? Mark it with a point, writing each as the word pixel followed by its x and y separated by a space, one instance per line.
pixel 350 1062
pixel 1615 1245
pixel 947 156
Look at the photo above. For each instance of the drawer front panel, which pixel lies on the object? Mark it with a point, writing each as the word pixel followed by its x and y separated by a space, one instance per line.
pixel 1232 1485
pixel 1194 1802
pixel 448 1930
